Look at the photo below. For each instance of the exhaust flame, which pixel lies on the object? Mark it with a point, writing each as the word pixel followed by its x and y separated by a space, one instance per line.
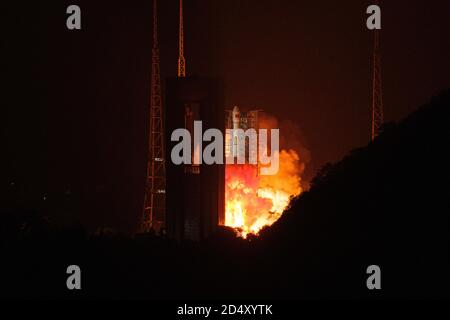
pixel 253 201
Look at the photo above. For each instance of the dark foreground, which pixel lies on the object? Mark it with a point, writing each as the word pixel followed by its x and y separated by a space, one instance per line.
pixel 386 204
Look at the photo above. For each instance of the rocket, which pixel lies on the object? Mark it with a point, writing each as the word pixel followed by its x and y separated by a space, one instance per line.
pixel 236 116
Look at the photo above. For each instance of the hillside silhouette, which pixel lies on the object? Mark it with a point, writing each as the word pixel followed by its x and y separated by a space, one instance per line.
pixel 385 204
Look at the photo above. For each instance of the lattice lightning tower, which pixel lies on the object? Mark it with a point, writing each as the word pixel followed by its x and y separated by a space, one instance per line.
pixel 181 60
pixel 154 203
pixel 377 93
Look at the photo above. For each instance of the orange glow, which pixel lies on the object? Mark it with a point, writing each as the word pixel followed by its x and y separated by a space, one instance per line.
pixel 254 201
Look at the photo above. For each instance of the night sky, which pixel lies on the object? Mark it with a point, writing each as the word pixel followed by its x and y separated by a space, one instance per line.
pixel 74 110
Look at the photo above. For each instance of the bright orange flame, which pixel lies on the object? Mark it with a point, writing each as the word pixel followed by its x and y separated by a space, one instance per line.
pixel 253 201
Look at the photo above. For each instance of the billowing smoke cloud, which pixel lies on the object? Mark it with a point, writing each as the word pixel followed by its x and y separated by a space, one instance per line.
pixel 291 139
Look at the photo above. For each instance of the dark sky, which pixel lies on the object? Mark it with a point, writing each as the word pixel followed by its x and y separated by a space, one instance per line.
pixel 75 103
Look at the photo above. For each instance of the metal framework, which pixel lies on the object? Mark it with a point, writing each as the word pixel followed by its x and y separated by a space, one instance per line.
pixel 377 93
pixel 154 203
pixel 181 60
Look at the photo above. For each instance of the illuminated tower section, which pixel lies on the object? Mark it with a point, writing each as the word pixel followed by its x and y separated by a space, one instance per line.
pixel 195 202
